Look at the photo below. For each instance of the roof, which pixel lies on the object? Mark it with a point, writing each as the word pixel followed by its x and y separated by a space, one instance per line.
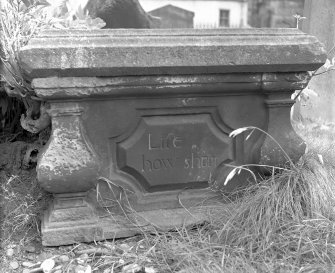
pixel 175 9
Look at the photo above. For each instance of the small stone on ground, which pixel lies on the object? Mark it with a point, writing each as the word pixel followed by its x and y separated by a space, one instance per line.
pixel 10 252
pixel 14 265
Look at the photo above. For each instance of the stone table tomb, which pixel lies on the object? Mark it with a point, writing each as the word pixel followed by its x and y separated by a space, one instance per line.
pixel 141 121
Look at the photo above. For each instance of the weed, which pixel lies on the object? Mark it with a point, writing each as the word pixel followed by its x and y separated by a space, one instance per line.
pixel 22 202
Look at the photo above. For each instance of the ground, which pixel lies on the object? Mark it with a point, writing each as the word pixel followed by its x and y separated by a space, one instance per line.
pixel 285 223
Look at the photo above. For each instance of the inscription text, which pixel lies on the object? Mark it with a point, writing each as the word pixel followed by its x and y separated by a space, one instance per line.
pixel 166 144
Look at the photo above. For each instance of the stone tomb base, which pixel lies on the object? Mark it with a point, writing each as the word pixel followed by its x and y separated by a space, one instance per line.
pixel 73 218
pixel 141 121
pixel 121 166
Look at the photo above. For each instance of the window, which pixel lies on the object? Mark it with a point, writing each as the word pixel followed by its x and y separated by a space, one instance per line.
pixel 224 18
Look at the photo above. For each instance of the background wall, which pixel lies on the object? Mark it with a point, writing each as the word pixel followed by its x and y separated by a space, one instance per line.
pixel 206 11
pixel 274 13
pixel 320 22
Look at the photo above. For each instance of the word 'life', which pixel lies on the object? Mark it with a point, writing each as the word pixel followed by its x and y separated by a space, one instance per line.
pixel 164 142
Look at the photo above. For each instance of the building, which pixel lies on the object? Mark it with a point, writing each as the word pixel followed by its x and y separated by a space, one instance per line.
pixel 173 17
pixel 207 13
pixel 274 13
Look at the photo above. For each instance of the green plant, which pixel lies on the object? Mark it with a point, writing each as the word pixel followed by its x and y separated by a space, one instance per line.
pixel 69 14
pixel 20 20
pixel 18 24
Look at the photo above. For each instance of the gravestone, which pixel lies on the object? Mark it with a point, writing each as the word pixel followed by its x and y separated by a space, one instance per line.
pixel 141 121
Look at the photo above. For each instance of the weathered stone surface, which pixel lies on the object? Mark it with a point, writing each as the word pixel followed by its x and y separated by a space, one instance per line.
pixel 55 88
pixel 147 52
pixel 68 155
pixel 151 136
pixel 113 224
pixel 289 146
pixel 168 153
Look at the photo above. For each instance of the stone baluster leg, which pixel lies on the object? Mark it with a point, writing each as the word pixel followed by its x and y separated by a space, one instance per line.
pixel 68 167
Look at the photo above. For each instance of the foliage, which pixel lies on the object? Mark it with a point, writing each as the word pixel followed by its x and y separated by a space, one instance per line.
pixel 70 14
pixel 20 20
pixel 18 24
pixel 298 19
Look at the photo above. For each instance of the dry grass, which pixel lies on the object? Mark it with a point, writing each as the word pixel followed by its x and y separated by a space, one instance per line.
pixel 283 224
pixel 22 202
pixel 18 24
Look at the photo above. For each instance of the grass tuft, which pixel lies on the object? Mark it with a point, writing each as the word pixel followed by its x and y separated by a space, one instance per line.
pixel 286 219
pixel 282 224
pixel 22 201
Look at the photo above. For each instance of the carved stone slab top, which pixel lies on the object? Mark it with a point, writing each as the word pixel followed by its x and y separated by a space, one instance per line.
pixel 82 53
